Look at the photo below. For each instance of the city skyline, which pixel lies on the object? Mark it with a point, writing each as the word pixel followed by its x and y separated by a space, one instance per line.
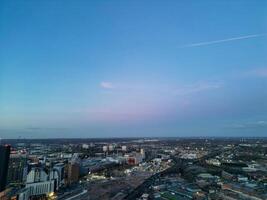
pixel 133 69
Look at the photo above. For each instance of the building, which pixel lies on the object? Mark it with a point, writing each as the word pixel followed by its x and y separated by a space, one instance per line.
pixel 85 146
pixel 39 184
pixel 73 173
pixel 36 175
pixel 105 148
pixel 40 189
pixel 189 156
pixel 17 169
pixel 134 158
pixel 59 167
pixel 55 176
pixel 124 148
pixel 23 194
pixel 4 159
pixel 111 147
pixel 143 153
pixel 214 162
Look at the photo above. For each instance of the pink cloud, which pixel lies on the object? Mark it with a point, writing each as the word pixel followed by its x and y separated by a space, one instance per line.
pixel 107 85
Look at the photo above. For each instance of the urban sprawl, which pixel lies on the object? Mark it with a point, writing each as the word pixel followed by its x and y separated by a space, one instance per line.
pixel 150 168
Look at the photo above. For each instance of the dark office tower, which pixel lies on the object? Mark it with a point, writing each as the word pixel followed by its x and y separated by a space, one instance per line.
pixel 17 168
pixel 4 158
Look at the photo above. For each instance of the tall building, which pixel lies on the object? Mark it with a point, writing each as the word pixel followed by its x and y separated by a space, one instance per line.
pixel 4 158
pixel 17 169
pixel 73 172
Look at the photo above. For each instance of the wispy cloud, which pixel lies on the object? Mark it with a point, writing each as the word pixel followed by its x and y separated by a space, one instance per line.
pixel 107 85
pixel 36 128
pixel 182 90
pixel 197 87
pixel 249 125
pixel 205 43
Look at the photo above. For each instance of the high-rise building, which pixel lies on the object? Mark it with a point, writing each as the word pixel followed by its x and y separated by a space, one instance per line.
pixel 17 169
pixel 73 172
pixel 4 158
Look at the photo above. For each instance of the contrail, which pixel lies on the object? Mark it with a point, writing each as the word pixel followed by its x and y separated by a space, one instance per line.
pixel 224 40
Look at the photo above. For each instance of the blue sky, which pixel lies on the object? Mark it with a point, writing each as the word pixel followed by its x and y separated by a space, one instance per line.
pixel 133 68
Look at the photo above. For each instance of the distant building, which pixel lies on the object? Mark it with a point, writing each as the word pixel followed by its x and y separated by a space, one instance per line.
pixel 85 146
pixel 134 158
pixel 143 153
pixel 214 162
pixel 92 144
pixel 124 148
pixel 4 159
pixel 189 156
pixel 111 147
pixel 105 148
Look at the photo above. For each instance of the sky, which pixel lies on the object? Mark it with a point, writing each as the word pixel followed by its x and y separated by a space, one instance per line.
pixel 121 68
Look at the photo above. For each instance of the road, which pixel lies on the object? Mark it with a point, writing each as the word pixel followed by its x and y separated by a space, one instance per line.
pixel 77 195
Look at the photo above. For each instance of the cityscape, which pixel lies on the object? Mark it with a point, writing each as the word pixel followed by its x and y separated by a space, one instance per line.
pixel 139 168
pixel 133 100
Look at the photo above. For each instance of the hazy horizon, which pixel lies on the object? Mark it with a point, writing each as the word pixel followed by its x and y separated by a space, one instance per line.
pixel 96 69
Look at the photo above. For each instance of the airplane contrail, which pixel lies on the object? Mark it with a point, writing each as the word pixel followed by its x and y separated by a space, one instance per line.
pixel 223 40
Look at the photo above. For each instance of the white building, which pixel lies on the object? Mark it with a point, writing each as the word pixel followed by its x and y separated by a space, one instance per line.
pixel 36 175
pixel 85 146
pixel 189 156
pixel 105 148
pixel 40 183
pixel 41 188
pixel 124 148
pixel 215 162
pixel 111 147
